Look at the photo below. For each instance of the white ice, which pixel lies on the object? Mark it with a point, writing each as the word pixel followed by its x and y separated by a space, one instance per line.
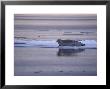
pixel 52 43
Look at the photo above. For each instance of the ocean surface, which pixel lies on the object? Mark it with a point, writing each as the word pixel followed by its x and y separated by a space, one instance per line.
pixel 32 61
pixel 42 57
pixel 38 54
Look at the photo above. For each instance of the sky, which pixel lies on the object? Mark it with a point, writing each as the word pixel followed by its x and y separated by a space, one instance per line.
pixel 55 21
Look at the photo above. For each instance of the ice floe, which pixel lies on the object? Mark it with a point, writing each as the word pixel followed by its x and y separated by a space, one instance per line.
pixel 51 43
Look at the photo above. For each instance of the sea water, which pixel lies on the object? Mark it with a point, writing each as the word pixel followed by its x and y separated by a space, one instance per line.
pixel 34 61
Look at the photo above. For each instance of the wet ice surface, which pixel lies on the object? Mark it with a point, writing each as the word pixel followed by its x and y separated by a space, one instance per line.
pixel 33 61
pixel 50 43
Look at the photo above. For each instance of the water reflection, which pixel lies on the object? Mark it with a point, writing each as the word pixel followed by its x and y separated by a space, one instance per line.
pixel 69 52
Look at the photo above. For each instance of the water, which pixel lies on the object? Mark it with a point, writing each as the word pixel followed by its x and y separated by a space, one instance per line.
pixel 33 61
pixel 36 61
